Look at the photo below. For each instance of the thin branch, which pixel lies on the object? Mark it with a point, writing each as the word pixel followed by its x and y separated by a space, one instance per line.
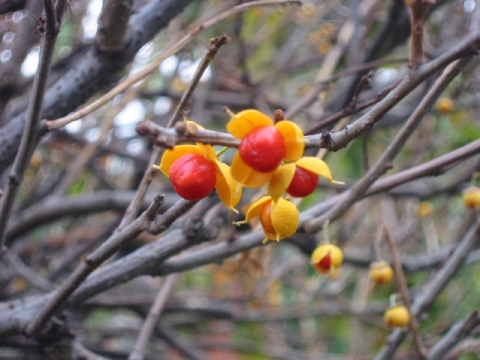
pixel 53 209
pixel 349 110
pixel 30 275
pixel 418 13
pixel 437 283
pixel 472 345
pixel 457 332
pixel 215 44
pixel 433 167
pixel 384 163
pixel 149 69
pixel 341 138
pixel 25 38
pixel 89 264
pixel 388 98
pixel 94 71
pixel 32 128
pixel 178 342
pixel 133 208
pixel 402 284
pixel 169 138
pixel 82 159
pixel 139 348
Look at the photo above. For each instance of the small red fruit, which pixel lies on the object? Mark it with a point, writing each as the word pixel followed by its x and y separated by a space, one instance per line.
pixel 304 182
pixel 192 176
pixel 326 258
pixel 266 218
pixel 263 149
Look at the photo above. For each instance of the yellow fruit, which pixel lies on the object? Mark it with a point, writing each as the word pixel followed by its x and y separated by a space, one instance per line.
pixel 471 197
pixel 397 316
pixel 326 258
pixel 381 272
pixel 424 209
pixel 444 105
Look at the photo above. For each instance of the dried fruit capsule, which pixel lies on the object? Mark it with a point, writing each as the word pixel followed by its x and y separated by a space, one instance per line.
pixel 326 258
pixel 381 272
pixel 471 197
pixel 192 176
pixel 304 182
pixel 397 316
pixel 263 149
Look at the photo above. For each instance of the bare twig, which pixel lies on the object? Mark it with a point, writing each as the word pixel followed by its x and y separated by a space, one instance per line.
pixel 393 149
pixel 52 209
pixel 457 332
pixel 341 138
pixel 349 110
pixel 32 128
pixel 90 263
pixel 169 137
pixel 24 40
pixel 148 70
pixel 418 13
pixel 139 348
pixel 471 345
pixel 178 342
pixel 133 208
pixel 91 147
pixel 215 44
pixel 436 284
pixel 402 284
pixel 30 275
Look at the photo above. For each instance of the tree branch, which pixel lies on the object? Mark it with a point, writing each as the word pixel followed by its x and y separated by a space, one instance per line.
pixel 392 150
pixel 112 35
pixel 32 128
pixel 89 264
pixel 148 326
pixel 435 285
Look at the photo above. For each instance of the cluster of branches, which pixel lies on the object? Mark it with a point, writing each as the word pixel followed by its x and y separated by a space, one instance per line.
pixel 180 226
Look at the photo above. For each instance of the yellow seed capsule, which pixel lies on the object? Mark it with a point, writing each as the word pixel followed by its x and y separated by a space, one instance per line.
pixel 381 272
pixel 424 209
pixel 397 316
pixel 326 258
pixel 471 197
pixel 444 105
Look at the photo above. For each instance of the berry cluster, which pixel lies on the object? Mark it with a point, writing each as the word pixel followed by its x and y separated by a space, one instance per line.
pixel 269 154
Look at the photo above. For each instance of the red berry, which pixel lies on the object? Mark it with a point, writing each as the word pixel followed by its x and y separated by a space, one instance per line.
pixel 266 218
pixel 263 149
pixel 325 264
pixel 304 182
pixel 192 176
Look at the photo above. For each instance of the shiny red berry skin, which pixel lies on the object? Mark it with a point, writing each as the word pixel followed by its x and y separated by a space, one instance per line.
pixel 263 149
pixel 192 176
pixel 304 182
